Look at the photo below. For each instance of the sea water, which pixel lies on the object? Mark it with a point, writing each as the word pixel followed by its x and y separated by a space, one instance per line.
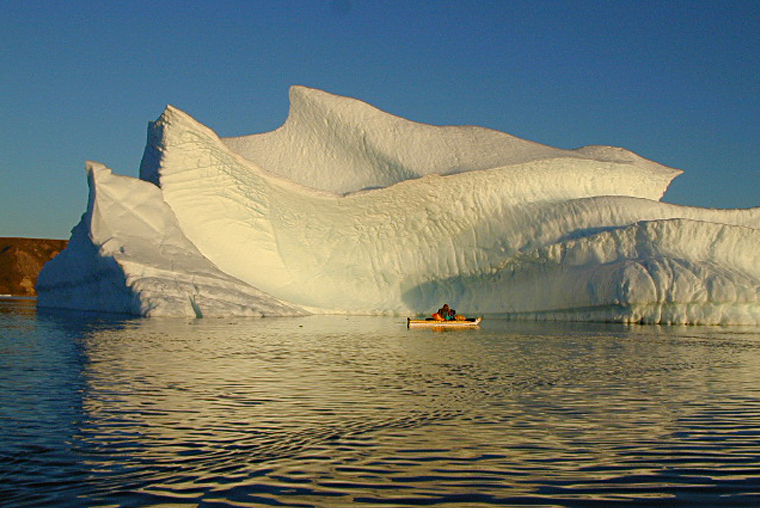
pixel 337 411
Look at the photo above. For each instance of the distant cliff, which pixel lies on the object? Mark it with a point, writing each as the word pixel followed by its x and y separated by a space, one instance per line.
pixel 21 260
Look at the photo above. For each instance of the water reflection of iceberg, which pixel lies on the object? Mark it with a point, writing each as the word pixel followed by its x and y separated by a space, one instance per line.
pixel 332 410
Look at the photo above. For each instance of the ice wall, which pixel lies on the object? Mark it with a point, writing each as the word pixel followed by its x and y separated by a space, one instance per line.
pixel 346 208
pixel 128 255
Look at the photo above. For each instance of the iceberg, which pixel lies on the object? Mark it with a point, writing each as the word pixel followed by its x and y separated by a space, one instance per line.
pixel 348 209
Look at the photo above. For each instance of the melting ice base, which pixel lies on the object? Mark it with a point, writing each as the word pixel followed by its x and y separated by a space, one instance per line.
pixel 347 209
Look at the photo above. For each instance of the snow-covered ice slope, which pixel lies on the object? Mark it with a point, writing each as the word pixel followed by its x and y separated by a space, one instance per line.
pixel 346 208
pixel 344 145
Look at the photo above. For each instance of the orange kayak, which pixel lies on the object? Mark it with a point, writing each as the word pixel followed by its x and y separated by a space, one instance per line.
pixel 429 323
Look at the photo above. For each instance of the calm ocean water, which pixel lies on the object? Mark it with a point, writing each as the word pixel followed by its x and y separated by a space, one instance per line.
pixel 359 411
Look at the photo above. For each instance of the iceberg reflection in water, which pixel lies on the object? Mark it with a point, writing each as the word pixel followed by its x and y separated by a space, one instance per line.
pixel 347 411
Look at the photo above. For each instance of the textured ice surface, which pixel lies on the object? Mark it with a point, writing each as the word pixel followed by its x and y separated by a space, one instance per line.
pixel 349 209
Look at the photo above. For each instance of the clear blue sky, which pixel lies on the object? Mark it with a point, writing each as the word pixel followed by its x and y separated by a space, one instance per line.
pixel 674 81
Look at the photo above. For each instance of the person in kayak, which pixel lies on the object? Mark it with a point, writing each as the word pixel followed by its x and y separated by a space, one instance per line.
pixel 442 314
pixel 445 314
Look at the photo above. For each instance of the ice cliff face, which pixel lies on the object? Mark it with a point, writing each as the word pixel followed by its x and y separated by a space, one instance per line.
pixel 348 209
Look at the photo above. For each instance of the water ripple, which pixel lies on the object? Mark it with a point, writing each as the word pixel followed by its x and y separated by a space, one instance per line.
pixel 336 411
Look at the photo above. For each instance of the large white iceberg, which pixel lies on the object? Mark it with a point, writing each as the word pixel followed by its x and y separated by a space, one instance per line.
pixel 347 209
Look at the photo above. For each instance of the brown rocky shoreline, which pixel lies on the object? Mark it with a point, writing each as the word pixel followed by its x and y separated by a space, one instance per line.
pixel 21 260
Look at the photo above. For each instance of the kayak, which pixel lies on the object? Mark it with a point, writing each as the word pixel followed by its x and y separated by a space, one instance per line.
pixel 429 323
